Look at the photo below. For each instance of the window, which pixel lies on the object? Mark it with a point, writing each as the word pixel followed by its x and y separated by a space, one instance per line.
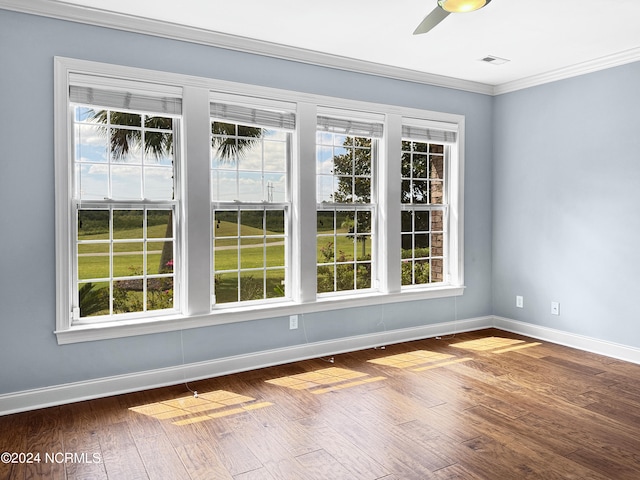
pixel 424 203
pixel 346 154
pixel 184 201
pixel 122 201
pixel 250 156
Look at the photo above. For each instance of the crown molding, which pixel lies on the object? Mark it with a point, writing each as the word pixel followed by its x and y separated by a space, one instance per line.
pixel 93 16
pixel 591 66
pixel 130 23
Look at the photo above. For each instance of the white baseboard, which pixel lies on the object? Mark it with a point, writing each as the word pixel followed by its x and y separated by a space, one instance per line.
pixel 103 387
pixel 587 344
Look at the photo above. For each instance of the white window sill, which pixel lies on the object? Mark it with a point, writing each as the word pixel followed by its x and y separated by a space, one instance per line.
pixel 128 328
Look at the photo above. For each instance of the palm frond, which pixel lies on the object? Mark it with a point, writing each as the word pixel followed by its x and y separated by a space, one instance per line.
pixel 124 141
pixel 92 300
pixel 231 141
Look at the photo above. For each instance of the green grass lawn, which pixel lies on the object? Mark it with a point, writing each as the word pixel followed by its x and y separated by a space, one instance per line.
pixel 94 260
pixel 223 230
pixel 155 231
pixel 123 265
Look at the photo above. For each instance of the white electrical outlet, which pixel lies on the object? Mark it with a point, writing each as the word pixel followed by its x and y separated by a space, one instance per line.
pixel 519 301
pixel 555 308
pixel 293 322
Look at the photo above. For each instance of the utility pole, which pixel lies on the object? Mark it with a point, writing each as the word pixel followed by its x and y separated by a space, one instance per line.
pixel 269 191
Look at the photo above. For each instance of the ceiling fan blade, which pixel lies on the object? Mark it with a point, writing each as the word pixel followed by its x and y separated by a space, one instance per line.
pixel 431 20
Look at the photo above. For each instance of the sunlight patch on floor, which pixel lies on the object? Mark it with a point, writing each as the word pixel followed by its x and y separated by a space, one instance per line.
pixel 210 405
pixel 412 359
pixel 441 364
pixel 517 347
pixel 325 380
pixel 487 344
pixel 495 345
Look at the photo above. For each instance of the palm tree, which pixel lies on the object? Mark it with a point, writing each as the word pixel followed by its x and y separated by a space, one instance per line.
pixel 123 141
pixel 229 140
pixel 233 140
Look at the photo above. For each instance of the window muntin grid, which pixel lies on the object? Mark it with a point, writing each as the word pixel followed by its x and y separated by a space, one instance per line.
pixel 344 245
pixel 423 246
pixel 248 164
pixel 424 213
pixel 123 199
pixel 346 212
pixel 423 173
pixel 250 254
pixel 249 192
pixel 344 168
pixel 122 155
pixel 124 260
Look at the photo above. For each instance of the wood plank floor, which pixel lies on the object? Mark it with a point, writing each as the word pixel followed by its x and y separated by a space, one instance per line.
pixel 481 405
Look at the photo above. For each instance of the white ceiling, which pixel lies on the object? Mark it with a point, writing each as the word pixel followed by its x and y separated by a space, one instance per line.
pixel 539 37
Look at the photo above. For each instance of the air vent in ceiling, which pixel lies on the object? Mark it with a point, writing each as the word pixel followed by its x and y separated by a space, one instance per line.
pixel 493 60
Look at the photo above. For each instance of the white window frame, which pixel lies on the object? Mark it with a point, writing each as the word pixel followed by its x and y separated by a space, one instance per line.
pixel 430 134
pixel 195 308
pixel 266 114
pixel 114 95
pixel 353 124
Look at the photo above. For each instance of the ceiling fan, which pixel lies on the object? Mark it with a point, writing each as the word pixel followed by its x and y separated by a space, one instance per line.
pixel 444 8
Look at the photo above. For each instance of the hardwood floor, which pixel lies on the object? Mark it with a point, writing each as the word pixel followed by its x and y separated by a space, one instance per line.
pixel 481 405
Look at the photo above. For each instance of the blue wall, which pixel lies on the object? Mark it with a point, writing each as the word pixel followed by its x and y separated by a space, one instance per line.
pixel 566 216
pixel 29 354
